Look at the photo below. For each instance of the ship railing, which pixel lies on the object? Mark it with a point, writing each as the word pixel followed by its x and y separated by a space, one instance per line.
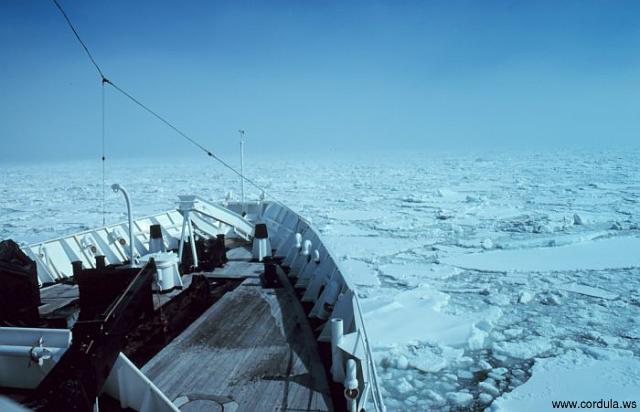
pixel 334 300
pixel 54 257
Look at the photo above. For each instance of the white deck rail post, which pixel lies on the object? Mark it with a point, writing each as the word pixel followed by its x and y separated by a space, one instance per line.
pixel 351 391
pixel 337 332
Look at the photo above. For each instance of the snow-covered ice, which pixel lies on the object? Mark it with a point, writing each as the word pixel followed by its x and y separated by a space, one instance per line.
pixel 417 315
pixel 588 290
pixel 499 282
pixel 360 273
pixel 612 253
pixel 575 377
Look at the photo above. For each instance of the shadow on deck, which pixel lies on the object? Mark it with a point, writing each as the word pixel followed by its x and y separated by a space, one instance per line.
pixel 252 349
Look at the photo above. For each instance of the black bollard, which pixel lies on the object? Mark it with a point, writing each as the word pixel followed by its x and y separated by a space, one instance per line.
pixel 156 244
pixel 155 231
pixel 100 262
pixel 261 231
pixel 221 249
pixel 269 277
pixel 76 265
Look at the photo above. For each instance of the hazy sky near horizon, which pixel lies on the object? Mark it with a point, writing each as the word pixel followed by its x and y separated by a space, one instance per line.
pixel 331 76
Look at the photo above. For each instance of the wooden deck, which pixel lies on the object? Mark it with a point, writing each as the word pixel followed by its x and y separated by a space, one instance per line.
pixel 59 296
pixel 253 349
pixel 56 297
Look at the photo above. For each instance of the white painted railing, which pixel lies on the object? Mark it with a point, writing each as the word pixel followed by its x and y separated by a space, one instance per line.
pixel 332 295
pixel 316 269
pixel 28 354
pixel 53 257
pixel 134 390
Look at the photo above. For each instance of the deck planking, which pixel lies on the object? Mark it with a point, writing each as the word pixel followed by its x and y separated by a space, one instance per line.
pixel 239 266
pixel 253 346
pixel 56 297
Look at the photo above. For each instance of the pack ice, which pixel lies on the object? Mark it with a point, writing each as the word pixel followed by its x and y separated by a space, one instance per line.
pixel 498 282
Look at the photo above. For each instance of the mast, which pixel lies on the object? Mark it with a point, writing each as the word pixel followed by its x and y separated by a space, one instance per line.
pixel 242 170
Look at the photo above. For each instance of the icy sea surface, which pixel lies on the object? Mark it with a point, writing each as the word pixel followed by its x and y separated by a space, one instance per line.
pixel 497 282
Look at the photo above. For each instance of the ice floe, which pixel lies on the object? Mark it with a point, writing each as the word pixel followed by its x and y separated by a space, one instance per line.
pixel 417 315
pixel 588 290
pixel 449 329
pixel 359 272
pixel 612 253
pixel 416 273
pixel 574 377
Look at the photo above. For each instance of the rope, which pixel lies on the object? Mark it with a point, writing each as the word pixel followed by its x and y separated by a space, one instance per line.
pixel 154 114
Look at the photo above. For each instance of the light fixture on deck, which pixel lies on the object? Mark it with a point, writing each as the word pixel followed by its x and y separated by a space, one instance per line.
pixel 186 205
pixel 117 188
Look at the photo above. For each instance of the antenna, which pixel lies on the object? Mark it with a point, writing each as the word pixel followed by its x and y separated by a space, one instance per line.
pixel 103 159
pixel 241 131
pixel 155 114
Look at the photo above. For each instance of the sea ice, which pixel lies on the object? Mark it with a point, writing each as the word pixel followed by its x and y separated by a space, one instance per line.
pixel 366 247
pixel 523 349
pixel 380 216
pixel 355 215
pixel 574 377
pixel 577 220
pixel 460 399
pixel 588 290
pixel 359 272
pixel 415 273
pixel 427 321
pixel 489 387
pixel 525 297
pixel 485 398
pixel 617 252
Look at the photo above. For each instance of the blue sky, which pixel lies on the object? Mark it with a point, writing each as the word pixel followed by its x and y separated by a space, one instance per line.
pixel 317 76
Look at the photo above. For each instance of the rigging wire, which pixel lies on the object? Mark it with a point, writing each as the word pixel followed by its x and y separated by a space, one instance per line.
pixel 84 46
pixel 191 140
pixel 194 142
pixel 377 402
pixel 103 159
